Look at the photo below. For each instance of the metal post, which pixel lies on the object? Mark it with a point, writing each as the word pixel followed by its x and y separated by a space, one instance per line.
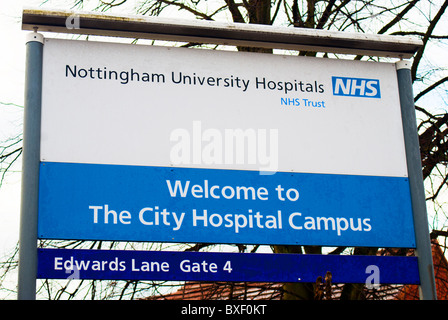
pixel 30 169
pixel 427 286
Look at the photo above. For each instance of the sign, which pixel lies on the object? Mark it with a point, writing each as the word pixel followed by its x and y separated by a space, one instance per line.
pixel 188 145
pixel 206 266
pixel 190 205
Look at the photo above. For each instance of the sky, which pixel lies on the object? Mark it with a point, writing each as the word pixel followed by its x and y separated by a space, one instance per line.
pixel 12 66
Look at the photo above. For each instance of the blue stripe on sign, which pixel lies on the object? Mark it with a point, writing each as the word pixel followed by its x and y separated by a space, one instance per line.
pixel 207 266
pixel 136 203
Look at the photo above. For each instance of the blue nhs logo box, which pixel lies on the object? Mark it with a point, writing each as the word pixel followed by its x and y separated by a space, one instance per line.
pixel 356 87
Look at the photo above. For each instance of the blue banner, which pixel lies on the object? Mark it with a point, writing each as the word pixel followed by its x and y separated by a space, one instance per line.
pixel 207 266
pixel 164 204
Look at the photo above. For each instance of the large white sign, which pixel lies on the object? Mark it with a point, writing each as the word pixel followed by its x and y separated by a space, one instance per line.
pixel 136 105
pixel 152 143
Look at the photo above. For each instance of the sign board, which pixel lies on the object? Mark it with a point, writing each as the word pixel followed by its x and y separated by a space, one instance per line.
pixel 144 143
pixel 207 266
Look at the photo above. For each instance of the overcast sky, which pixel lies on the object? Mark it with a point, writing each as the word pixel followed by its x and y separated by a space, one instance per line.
pixel 12 65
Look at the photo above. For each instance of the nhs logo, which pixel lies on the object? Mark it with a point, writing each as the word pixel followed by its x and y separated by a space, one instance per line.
pixel 356 87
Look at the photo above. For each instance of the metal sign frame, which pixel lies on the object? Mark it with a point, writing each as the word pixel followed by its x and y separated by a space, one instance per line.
pixel 217 33
pixel 212 32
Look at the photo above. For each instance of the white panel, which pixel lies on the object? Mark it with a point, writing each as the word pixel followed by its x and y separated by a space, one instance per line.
pixel 92 120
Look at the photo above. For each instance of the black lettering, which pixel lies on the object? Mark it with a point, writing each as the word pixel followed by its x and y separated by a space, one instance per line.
pixel 68 69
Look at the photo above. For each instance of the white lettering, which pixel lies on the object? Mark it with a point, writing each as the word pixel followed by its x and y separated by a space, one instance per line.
pixel 183 189
pixel 225 146
pixel 291 223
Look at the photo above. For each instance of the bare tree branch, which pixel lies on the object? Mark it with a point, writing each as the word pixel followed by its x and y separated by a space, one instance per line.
pixel 416 33
pixel 326 14
pixel 430 88
pixel 236 14
pixel 418 57
pixel 398 17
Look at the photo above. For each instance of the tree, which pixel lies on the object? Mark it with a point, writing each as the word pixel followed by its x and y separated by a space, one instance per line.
pixel 421 19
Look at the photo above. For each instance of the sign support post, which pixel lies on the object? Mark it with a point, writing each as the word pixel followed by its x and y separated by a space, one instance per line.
pixel 427 286
pixel 30 169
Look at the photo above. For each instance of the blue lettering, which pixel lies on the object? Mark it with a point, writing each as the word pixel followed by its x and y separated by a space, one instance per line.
pixel 290 102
